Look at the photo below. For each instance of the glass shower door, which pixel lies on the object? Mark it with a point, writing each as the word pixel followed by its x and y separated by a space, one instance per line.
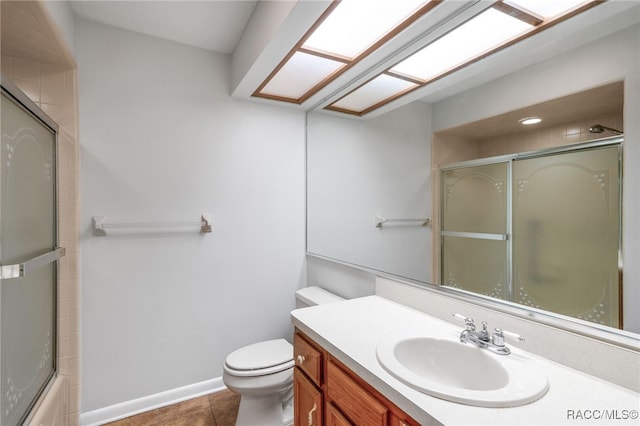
pixel 474 229
pixel 27 260
pixel 566 222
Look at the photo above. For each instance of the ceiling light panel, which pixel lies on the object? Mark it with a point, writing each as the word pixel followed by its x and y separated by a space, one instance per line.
pixel 548 8
pixel 482 33
pixel 346 33
pixel 300 73
pixel 370 94
pixel 355 25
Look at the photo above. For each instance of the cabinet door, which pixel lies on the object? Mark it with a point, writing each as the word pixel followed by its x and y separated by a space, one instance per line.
pixel 307 407
pixel 335 417
pixel 355 402
pixel 404 420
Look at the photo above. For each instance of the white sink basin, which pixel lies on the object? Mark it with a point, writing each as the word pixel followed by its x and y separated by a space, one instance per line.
pixel 462 373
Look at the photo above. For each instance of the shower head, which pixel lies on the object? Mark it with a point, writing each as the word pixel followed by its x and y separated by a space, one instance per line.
pixel 599 129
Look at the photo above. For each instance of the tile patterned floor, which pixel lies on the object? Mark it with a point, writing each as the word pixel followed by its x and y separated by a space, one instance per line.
pixel 216 409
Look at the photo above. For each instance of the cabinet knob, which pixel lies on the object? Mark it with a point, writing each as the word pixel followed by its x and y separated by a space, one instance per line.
pixel 301 359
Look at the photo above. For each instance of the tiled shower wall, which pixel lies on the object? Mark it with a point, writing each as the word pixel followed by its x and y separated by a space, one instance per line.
pixel 451 149
pixel 53 87
pixel 565 134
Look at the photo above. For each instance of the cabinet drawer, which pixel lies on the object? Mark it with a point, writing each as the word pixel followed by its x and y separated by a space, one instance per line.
pixel 308 358
pixel 350 398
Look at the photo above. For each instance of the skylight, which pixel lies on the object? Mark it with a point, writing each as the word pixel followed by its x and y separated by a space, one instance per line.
pixel 350 30
pixel 376 90
pixel 465 42
pixel 355 25
pixel 547 8
pixel 346 33
pixel 501 25
pixel 299 74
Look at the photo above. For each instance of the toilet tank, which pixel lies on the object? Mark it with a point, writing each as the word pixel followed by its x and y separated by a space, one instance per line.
pixel 311 296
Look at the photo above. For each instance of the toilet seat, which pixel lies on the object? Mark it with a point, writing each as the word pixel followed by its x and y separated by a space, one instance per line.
pixel 259 359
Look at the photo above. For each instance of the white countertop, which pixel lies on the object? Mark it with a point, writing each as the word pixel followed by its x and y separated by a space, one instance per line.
pixel 350 330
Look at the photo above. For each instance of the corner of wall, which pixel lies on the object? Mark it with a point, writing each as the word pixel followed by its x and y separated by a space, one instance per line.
pixel 63 20
pixel 268 37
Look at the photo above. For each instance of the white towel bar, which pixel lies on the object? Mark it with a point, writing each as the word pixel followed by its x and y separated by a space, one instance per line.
pixel 101 226
pixel 422 221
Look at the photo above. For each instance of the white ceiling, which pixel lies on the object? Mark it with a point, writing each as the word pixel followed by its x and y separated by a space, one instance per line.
pixel 215 25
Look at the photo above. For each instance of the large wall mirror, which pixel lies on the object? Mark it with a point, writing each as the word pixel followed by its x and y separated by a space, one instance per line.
pixel 400 165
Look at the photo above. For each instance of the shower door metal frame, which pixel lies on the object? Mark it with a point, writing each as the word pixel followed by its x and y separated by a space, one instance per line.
pixel 20 99
pixel 509 159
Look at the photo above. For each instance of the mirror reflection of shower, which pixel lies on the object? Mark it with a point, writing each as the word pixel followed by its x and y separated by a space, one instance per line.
pixel 598 128
pixel 539 229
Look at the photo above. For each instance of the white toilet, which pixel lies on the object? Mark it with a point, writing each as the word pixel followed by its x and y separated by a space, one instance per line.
pixel 262 373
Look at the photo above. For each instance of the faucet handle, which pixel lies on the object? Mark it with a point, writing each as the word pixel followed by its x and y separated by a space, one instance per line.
pixel 468 322
pixel 484 333
pixel 513 336
pixel 499 335
pixel 459 316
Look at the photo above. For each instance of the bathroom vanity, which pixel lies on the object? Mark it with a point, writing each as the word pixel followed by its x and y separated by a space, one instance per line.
pixel 340 381
pixel 327 392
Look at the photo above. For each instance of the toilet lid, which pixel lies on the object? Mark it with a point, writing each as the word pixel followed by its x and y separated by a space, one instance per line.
pixel 261 355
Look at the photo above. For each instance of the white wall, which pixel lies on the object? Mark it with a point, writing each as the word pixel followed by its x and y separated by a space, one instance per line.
pixel 343 280
pixel 359 168
pixel 162 141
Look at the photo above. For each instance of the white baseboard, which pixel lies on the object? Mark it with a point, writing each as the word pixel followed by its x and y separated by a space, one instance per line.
pixel 151 402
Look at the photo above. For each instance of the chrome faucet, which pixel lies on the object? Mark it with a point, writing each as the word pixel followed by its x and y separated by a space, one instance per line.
pixel 493 342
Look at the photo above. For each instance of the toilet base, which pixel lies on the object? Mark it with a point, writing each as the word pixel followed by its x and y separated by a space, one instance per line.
pixel 264 411
pixel 287 417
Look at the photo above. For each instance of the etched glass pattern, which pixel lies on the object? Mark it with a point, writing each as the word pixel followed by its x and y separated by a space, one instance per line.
pixel 475 201
pixel 565 234
pixel 561 244
pixel 27 229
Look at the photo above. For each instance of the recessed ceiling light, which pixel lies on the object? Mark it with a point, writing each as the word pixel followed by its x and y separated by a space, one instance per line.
pixel 530 120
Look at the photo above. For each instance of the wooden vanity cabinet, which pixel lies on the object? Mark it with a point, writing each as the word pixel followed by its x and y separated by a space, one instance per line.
pixel 326 392
pixel 402 420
